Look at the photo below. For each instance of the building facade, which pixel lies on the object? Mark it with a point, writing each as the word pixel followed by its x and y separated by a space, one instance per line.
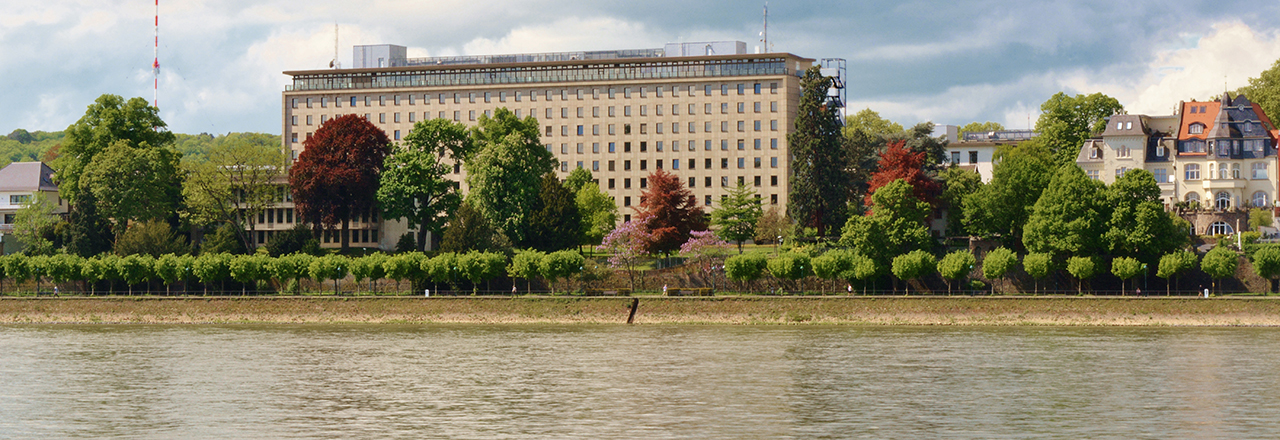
pixel 22 183
pixel 714 119
pixel 1214 156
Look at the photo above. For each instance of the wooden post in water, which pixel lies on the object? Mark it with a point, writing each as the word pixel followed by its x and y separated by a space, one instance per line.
pixel 635 303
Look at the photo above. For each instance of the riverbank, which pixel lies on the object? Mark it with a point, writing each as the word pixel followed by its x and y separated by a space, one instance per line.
pixel 998 311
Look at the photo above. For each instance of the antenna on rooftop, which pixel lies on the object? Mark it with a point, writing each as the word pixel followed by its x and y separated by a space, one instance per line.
pixel 764 35
pixel 155 65
pixel 335 63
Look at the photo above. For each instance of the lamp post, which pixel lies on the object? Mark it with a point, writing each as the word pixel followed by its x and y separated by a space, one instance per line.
pixel 776 244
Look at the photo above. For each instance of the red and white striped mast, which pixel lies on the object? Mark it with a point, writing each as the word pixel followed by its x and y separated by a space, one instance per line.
pixel 155 65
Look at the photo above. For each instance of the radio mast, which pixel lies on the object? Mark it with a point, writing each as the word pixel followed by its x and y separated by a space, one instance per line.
pixel 155 65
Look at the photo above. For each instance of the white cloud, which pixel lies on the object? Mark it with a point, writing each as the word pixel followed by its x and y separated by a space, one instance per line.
pixel 569 34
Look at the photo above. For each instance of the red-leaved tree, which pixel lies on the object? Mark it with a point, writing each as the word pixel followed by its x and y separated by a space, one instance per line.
pixel 670 212
pixel 336 177
pixel 898 162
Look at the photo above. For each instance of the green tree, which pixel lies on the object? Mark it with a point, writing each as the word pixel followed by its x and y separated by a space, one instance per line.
pixel 336 177
pixel 790 266
pixel 330 267
pixel 1069 218
pixel 1139 226
pixel 555 224
pixel 248 269
pixel 469 230
pixel 152 237
pixel 1082 268
pixel 979 127
pixel 745 267
pixel 17 267
pixel 833 265
pixel 527 264
pixel 63 268
pixel 598 212
pixel 1259 217
pixel 232 182
pixel 913 265
pixel 820 182
pixel 737 215
pixel 369 267
pixel 480 266
pixel 134 182
pixel 868 122
pixel 958 184
pixel 503 175
pixel 296 239
pixel 1174 263
pixel 110 119
pixel 1038 265
pixel 1001 208
pixel 773 226
pixel 919 139
pixel 210 267
pixel 561 264
pixel 405 266
pixel 863 137
pixel 414 182
pixel 956 266
pixel 1126 268
pixel 1067 121
pixel 1219 263
pixel 31 223
pixel 895 226
pixel 225 240
pixel 442 268
pixel 135 269
pixel 171 268
pixel 1266 263
pixel 1264 90
pixel 92 271
pixel 578 178
pixel 88 233
pixel 998 262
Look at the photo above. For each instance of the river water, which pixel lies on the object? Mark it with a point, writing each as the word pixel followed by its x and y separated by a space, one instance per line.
pixel 527 381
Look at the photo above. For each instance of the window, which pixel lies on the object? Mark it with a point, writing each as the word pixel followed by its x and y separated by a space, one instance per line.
pixel 1259 199
pixel 626 147
pixel 706 163
pixel 706 181
pixel 1093 174
pixel 955 157
pixel 1196 128
pixel 773 199
pixel 1120 171
pixel 756 182
pixel 1124 151
pixel 742 144
pixel 595 165
pixel 707 200
pixel 626 165
pixel 595 147
pixel 773 107
pixel 397 135
pixel 471 115
pixel 724 180
pixel 612 149
pixel 755 124
pixel 1222 200
pixel 724 144
pixel 626 183
pixel 675 164
pixel 644 164
pixel 756 143
pixel 724 163
pixel 1193 197
pixel 626 110
pixel 724 89
pixel 773 144
pixel 626 201
pixel 595 129
pixel 1160 151
pixel 773 162
pixel 1235 171
pixel 1161 175
pixel 973 157
pixel 580 132
pixel 644 182
pixel 1220 228
pixel 382 119
pixel 693 182
pixel 1259 170
pixel 757 162
pixel 353 101
pixel 773 180
pixel 19 200
pixel 1192 172
pixel 611 183
pixel 773 125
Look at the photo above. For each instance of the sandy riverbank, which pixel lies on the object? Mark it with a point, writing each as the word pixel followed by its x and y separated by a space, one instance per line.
pixel 654 310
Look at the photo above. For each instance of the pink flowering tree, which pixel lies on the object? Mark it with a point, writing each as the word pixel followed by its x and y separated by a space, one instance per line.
pixel 626 246
pixel 705 250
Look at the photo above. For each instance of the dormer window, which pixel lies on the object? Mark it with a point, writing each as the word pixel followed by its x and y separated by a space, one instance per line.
pixel 1160 151
pixel 1128 125
pixel 1196 128
pixel 1119 126
pixel 1193 109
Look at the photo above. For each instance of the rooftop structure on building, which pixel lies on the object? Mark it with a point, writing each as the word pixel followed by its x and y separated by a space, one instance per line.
pixel 976 150
pixel 711 113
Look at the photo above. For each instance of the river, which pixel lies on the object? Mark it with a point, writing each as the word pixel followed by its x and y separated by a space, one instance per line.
pixel 544 381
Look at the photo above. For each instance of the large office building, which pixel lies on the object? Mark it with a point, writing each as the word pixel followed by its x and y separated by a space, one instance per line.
pixel 711 113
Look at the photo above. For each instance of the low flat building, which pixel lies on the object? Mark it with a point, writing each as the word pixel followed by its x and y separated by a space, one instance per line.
pixel 22 183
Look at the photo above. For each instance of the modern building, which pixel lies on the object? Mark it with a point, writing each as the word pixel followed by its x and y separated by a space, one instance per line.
pixel 22 183
pixel 1211 159
pixel 976 151
pixel 708 112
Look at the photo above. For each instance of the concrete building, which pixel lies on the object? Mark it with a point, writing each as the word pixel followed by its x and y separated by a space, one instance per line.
pixel 708 112
pixel 20 184
pixel 1210 159
pixel 976 151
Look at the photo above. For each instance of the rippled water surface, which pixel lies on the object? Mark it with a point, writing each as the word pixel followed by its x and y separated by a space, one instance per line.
pixel 636 382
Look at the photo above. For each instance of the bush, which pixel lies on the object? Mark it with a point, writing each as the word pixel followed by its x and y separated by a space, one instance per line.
pixel 153 237
pixel 294 240
pixel 406 243
pixel 225 240
pixel 914 264
pixel 1082 268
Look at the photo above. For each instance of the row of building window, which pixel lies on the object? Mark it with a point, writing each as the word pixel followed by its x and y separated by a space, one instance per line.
pixel 1192 171
pixel 659 146
pixel 693 182
pixel 756 162
pixel 487 97
pixel 1223 199
pixel 626 201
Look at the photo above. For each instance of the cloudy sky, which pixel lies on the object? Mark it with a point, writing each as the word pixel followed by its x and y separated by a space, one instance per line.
pixel 947 62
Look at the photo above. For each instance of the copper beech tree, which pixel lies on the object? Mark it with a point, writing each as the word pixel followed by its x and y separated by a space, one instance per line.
pixel 670 211
pixel 336 177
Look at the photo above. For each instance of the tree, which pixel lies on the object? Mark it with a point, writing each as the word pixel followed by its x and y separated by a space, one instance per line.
pixel 1266 263
pixel 670 212
pixel 555 223
pixel 481 266
pixel 1038 265
pixel 1002 207
pixel 109 120
pixel 405 266
pixel 152 237
pixel 820 182
pixel 504 173
pixel 745 267
pixel 626 245
pixel 1138 225
pixel 232 182
pixel 598 212
pixel 134 182
pixel 225 240
pixel 296 239
pixel 336 177
pixel 87 234
pixel 979 127
pixel 863 138
pixel 1174 263
pixel 1265 91
pixel 211 267
pixel 1259 217
pixel 248 269
pixel 414 183
pixel 31 223
pixel 63 268
pixel 894 227
pixel 912 265
pixel 868 122
pixel 1125 268
pixel 1069 218
pixel 957 184
pixel 955 266
pixel 561 264
pixel 790 266
pixel 527 264
pixel 919 139
pixel 171 268
pixel 330 267
pixel 704 249
pixel 1219 263
pixel 578 178
pixel 899 163
pixel 737 215
pixel 1067 121
pixel 1082 268
pixel 773 226
pixel 998 262
pixel 469 230
pixel 135 269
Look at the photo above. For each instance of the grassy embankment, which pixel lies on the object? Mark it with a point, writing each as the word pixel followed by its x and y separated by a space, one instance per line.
pixel 654 310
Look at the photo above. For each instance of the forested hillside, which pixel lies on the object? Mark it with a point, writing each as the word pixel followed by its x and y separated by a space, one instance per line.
pixel 21 145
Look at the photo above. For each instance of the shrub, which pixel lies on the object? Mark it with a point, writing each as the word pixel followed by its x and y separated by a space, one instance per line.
pixel 1126 268
pixel 225 240
pixel 956 266
pixel 912 265
pixel 292 240
pixel 1082 268
pixel 406 243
